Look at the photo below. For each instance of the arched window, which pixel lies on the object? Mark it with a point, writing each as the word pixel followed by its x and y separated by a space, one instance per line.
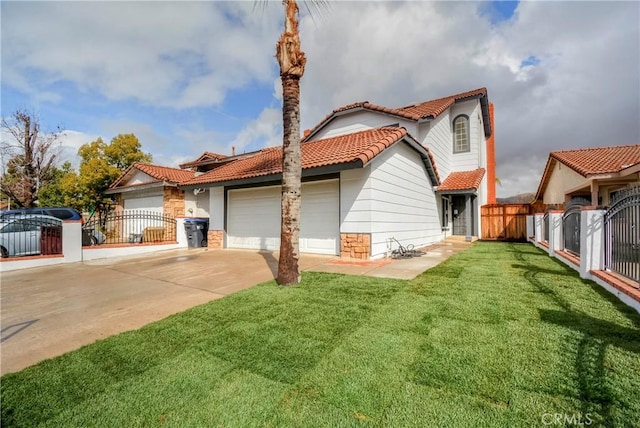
pixel 461 134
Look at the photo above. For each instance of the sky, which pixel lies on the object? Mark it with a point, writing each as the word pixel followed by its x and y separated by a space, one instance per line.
pixel 188 77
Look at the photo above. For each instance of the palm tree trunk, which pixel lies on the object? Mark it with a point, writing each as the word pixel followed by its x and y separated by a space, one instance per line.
pixel 292 62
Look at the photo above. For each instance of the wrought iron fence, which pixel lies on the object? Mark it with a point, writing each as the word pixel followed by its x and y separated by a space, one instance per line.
pixel 30 235
pixel 622 234
pixel 571 225
pixel 128 227
pixel 545 221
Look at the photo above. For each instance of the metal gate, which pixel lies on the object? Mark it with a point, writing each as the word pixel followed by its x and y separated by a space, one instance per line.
pixel 571 225
pixel 545 222
pixel 622 234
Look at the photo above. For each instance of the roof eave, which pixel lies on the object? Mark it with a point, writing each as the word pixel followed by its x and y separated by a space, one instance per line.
pixel 471 191
pixel 143 186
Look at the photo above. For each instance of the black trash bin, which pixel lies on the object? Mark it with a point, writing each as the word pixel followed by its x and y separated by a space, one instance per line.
pixel 196 229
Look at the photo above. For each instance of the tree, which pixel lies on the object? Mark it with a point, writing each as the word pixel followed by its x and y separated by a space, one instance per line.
pixel 102 163
pixel 31 158
pixel 62 190
pixel 292 61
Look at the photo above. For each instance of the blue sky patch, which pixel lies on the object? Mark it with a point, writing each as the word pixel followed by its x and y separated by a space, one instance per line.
pixel 532 60
pixel 498 11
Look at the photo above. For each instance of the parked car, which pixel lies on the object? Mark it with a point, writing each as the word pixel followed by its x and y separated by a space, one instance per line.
pixel 20 234
pixel 95 237
pixel 62 213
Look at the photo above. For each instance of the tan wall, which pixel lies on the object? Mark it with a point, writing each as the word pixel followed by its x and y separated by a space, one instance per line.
pixel 562 179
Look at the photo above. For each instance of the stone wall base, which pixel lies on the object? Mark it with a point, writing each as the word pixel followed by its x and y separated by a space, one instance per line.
pixel 215 239
pixel 355 245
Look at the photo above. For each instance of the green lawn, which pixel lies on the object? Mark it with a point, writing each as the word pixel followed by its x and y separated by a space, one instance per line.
pixel 499 335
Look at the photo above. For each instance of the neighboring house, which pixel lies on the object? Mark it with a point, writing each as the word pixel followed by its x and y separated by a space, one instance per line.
pixel 155 188
pixel 594 174
pixel 416 173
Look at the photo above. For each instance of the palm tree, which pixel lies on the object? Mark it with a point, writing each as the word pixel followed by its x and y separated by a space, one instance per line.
pixel 292 61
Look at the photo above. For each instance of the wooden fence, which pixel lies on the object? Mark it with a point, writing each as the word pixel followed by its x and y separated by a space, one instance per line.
pixel 505 222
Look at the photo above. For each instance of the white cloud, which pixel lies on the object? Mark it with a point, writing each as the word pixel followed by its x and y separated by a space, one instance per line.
pixel 70 142
pixel 178 54
pixel 264 131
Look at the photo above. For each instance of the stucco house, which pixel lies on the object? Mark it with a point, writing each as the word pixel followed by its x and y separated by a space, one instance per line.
pixel 416 173
pixel 594 174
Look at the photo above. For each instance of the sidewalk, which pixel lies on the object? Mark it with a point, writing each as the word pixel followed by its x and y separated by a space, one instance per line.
pixel 395 268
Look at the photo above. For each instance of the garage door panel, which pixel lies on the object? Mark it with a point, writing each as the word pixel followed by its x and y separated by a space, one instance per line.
pixel 319 225
pixel 148 203
pixel 253 220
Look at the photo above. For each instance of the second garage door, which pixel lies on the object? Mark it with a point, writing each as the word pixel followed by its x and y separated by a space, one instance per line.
pixel 253 219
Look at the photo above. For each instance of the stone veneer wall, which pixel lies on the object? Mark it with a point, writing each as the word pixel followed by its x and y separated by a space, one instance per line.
pixel 355 245
pixel 173 202
pixel 215 239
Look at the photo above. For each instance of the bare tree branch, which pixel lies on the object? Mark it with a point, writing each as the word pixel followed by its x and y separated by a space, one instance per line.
pixel 31 157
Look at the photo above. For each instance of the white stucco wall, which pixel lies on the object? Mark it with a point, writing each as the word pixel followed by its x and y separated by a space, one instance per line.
pixel 140 178
pixel 403 203
pixel 562 179
pixel 196 205
pixel 216 208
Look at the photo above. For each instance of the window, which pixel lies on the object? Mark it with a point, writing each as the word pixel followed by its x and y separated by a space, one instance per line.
pixel 461 134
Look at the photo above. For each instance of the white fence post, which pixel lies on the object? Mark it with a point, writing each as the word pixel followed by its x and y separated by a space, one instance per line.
pixel 555 232
pixel 72 241
pixel 591 240
pixel 538 228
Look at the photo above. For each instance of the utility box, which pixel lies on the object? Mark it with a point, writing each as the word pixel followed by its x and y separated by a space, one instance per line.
pixel 196 229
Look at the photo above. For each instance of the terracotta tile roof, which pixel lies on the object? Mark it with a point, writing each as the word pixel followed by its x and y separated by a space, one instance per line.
pixel 427 109
pixel 599 160
pixel 462 180
pixel 360 146
pixel 434 108
pixel 160 173
pixel 205 157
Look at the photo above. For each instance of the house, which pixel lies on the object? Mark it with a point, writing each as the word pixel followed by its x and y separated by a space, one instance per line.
pixel 370 174
pixel 594 174
pixel 155 188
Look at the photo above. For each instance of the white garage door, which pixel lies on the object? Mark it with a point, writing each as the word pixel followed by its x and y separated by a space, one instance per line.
pixel 149 203
pixel 253 220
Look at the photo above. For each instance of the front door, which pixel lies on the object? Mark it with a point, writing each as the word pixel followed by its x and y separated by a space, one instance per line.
pixel 459 215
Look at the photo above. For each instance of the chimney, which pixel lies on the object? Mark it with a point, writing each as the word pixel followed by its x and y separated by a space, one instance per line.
pixel 491 160
pixel 233 150
pixel 306 133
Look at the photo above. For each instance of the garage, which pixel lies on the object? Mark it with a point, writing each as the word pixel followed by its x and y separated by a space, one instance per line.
pixel 253 218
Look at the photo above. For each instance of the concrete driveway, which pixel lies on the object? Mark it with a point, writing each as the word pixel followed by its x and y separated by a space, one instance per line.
pixel 51 310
